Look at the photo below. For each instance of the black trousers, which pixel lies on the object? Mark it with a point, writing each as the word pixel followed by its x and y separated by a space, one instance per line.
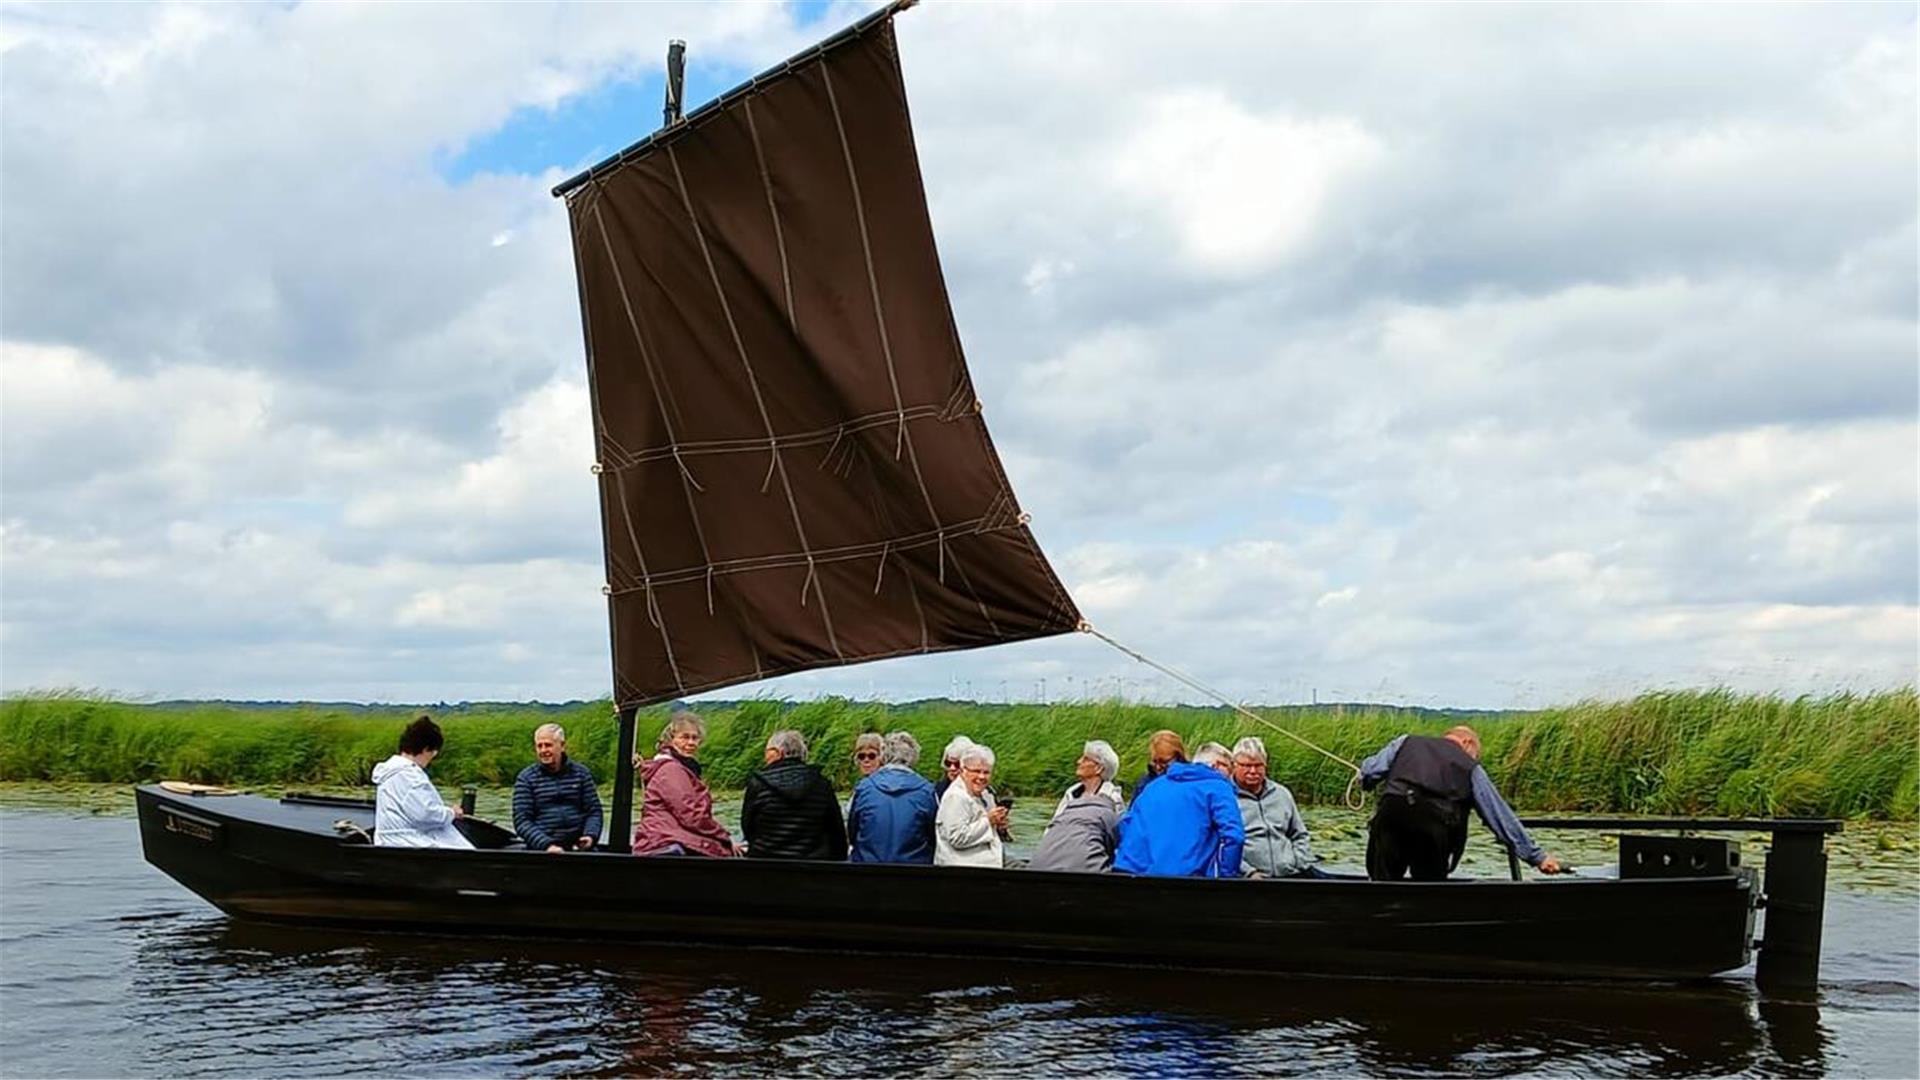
pixel 1421 837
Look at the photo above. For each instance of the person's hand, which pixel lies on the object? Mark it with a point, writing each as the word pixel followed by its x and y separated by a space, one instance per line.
pixel 1550 865
pixel 998 816
pixel 583 843
pixel 556 849
pixel 636 759
pixel 458 813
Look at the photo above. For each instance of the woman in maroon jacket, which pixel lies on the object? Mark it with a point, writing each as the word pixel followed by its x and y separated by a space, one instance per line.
pixel 676 809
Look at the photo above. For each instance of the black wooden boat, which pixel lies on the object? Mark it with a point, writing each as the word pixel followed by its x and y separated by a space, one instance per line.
pixel 283 860
pixel 794 473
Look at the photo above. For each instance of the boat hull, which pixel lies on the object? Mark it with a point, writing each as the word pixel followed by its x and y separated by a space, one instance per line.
pixel 259 859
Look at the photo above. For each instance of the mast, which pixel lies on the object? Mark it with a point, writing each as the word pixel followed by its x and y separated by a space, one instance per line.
pixel 620 833
pixel 670 114
pixel 620 837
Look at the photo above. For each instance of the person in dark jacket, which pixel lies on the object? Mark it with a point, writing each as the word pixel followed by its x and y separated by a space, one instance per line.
pixel 556 806
pixel 1185 824
pixel 789 811
pixel 1163 749
pixel 1420 826
pixel 891 818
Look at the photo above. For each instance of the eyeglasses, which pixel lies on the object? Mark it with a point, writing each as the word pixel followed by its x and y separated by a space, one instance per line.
pixel 867 755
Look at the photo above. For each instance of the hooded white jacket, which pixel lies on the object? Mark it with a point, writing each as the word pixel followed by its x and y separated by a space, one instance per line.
pixel 407 810
pixel 962 835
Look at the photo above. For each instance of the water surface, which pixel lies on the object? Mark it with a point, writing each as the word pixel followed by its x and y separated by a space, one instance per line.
pixel 109 968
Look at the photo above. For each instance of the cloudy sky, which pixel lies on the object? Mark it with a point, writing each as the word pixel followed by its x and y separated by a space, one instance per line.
pixel 1481 355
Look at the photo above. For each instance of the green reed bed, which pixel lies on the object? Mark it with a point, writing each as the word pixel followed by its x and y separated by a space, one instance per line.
pixel 1701 752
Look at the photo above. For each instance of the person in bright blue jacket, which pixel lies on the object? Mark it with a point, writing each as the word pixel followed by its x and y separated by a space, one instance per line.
pixel 891 817
pixel 1185 824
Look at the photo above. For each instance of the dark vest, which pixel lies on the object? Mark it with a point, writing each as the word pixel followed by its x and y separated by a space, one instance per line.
pixel 1434 769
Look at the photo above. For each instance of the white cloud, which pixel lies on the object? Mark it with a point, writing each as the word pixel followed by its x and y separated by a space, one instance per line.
pixel 1242 192
pixel 536 484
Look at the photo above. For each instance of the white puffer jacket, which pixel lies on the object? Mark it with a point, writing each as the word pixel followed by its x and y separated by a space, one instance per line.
pixel 408 811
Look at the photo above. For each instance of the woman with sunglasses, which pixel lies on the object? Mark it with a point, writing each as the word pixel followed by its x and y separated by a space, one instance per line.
pixel 866 754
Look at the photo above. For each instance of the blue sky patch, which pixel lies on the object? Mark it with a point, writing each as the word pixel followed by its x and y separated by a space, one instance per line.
pixel 596 124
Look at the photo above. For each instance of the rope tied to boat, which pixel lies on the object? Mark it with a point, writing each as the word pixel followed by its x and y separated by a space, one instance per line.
pixel 1353 798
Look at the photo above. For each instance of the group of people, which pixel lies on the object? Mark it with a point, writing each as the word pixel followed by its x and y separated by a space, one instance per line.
pixel 1217 814
pixel 556 805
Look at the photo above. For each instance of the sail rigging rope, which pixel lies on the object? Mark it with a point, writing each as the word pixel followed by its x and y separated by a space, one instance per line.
pixel 1353 797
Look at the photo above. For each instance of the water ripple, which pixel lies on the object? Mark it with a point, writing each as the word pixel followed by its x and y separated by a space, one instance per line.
pixel 96 942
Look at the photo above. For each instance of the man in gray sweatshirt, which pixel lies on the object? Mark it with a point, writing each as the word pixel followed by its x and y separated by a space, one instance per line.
pixel 1277 841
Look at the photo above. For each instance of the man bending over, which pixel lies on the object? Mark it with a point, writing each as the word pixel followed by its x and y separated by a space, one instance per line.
pixel 1420 826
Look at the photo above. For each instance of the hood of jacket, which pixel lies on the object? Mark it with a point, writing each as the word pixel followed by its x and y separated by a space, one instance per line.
pixel 896 781
pixel 391 768
pixel 1093 807
pixel 789 780
pixel 652 766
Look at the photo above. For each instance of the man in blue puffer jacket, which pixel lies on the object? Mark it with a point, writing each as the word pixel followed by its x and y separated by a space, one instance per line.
pixel 1185 824
pixel 891 818
pixel 556 806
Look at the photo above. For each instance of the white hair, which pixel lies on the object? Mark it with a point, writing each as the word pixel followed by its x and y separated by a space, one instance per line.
pixel 1102 754
pixel 554 730
pixel 900 748
pixel 790 743
pixel 1252 747
pixel 1212 754
pixel 682 720
pixel 955 748
pixel 976 754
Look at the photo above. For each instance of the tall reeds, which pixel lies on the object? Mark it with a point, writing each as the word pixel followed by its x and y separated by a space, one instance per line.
pixel 1696 752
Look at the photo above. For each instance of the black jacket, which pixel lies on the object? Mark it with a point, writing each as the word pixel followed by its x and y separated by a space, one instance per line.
pixel 790 813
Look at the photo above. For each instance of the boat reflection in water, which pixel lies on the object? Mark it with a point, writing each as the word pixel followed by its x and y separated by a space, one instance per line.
pixel 313 1001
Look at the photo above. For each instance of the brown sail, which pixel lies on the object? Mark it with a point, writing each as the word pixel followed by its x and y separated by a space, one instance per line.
pixel 793 468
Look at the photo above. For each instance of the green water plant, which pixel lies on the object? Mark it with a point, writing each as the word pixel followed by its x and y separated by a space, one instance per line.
pixel 1667 752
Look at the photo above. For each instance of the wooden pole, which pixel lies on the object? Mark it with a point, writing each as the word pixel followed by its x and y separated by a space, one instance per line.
pixel 1796 885
pixel 620 830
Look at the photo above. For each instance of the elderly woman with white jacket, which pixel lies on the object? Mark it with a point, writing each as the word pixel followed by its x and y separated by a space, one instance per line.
pixel 966 831
pixel 407 808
